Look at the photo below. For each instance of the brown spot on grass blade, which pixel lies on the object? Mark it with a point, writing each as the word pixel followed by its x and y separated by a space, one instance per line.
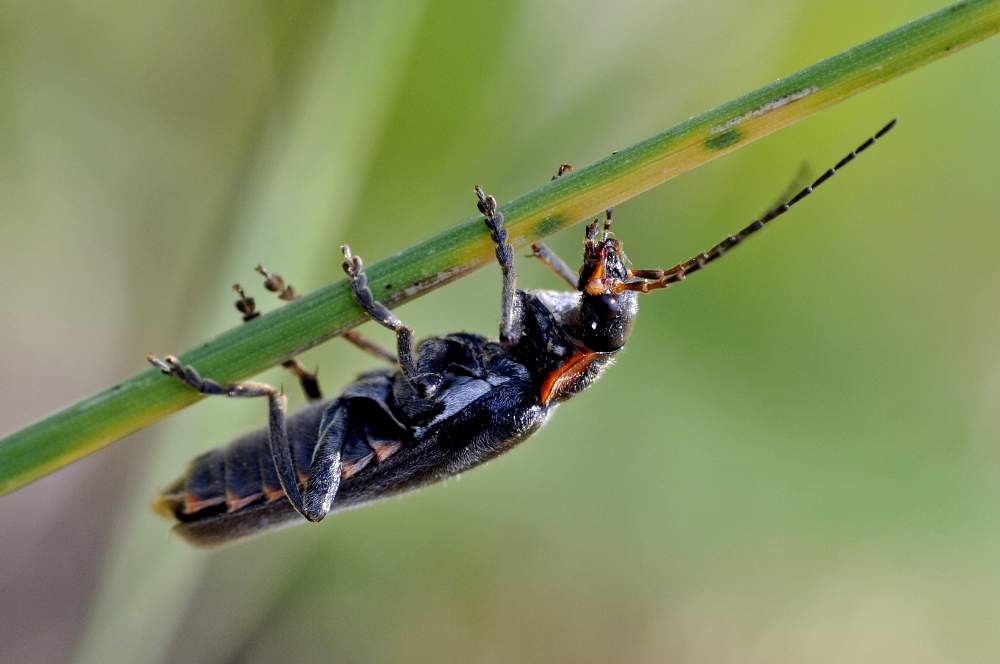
pixel 723 140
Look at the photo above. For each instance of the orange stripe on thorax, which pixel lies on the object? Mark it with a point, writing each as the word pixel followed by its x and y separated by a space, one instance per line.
pixel 565 373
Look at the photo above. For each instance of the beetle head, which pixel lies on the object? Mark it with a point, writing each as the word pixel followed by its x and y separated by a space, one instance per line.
pixel 607 310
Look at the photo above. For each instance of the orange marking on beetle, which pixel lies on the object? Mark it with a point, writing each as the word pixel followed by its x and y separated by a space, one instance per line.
pixel 384 449
pixel 193 503
pixel 566 372
pixel 166 504
pixel 234 502
pixel 355 467
pixel 595 284
pixel 271 495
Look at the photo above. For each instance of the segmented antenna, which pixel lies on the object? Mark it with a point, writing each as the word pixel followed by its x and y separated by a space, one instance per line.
pixel 653 279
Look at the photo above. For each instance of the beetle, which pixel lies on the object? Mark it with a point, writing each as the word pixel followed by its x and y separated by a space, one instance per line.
pixel 450 403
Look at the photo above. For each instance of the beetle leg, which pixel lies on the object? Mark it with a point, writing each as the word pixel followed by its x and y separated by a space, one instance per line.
pixel 354 268
pixel 509 329
pixel 281 453
pixel 274 283
pixel 551 260
pixel 327 463
pixel 554 263
pixel 368 346
pixel 246 305
pixel 309 380
pixel 562 170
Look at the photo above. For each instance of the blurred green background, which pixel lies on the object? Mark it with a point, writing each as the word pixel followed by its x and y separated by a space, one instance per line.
pixel 796 458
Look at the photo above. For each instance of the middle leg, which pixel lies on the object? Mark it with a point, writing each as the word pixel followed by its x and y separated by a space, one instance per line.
pixel 274 283
pixel 309 380
pixel 424 384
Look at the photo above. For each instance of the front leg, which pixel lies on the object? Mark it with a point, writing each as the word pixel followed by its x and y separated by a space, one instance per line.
pixel 552 261
pixel 548 257
pixel 510 329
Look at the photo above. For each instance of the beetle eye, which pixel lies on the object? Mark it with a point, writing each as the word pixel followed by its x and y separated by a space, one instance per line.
pixel 606 306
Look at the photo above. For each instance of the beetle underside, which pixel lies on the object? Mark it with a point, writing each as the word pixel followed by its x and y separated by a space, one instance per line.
pixel 446 405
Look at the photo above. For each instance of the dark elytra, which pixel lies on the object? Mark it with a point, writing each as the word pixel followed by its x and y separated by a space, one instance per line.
pixel 447 405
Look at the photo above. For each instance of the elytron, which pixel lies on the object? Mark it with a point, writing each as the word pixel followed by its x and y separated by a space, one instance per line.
pixel 446 405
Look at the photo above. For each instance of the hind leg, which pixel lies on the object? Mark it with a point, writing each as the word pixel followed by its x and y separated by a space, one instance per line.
pixel 281 453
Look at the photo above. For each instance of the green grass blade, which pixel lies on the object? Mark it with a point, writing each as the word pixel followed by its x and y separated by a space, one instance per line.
pixel 246 350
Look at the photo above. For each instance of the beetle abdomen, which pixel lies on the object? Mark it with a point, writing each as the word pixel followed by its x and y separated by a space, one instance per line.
pixel 242 475
pixel 232 478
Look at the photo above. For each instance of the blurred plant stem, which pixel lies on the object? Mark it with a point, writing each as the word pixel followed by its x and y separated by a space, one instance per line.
pixel 248 349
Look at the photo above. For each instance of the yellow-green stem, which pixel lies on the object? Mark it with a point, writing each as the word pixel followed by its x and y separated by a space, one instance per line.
pixel 248 349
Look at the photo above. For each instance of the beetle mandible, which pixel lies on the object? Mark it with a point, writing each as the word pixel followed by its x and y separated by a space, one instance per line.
pixel 447 405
